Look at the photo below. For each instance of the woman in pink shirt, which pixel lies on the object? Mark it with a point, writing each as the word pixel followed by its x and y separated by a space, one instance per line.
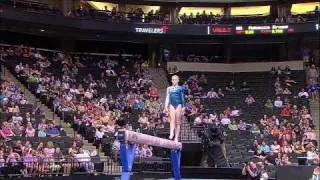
pixel 30 131
pixel 309 137
pixel 30 161
pixel 49 150
pixel 6 130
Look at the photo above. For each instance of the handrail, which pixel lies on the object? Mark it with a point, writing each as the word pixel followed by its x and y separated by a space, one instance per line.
pixel 75 53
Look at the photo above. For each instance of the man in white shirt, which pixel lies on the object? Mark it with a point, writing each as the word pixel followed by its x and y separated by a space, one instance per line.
pixel 198 120
pixel 303 94
pixel 212 94
pixel 235 112
pixel 37 55
pixel 278 102
pixel 225 121
pixel 16 118
pixel 84 160
pixel 19 68
pixel 110 72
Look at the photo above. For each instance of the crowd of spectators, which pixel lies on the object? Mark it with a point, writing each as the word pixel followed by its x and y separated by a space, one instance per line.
pixel 34 6
pixel 38 159
pixel 210 18
pixel 138 15
pixel 23 122
pixel 198 58
pixel 286 130
pixel 200 18
pixel 86 99
pixel 133 15
pixel 22 118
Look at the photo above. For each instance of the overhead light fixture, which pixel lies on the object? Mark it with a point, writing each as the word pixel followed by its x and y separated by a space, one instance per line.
pixel 42 30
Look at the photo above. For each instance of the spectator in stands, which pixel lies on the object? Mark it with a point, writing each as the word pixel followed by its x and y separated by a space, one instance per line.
pixel 49 150
pixel 313 89
pixel 287 70
pixel 284 160
pixel 297 147
pixel 30 131
pixel 303 93
pixel 115 149
pixel 6 131
pixel 313 72
pixel 78 140
pixel 145 151
pixel 52 131
pixel 220 93
pixel 153 92
pixel 285 112
pixel 213 94
pixel 249 100
pixel 244 86
pixel 268 106
pixel 143 119
pixel 17 129
pixel 285 148
pixel 275 147
pixel 233 126
pixel 227 112
pixel 288 81
pixel 203 81
pixel 16 118
pixel 250 171
pixel 255 129
pixel 84 160
pixel 286 91
pixel 225 120
pixel 310 136
pixel 264 147
pixel 231 87
pixel 242 126
pixel 235 112
pixel 312 155
pixel 198 120
pixel 278 103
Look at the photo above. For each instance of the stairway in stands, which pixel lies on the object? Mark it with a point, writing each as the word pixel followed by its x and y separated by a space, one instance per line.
pixel 315 113
pixel 49 114
pixel 159 77
pixel 188 134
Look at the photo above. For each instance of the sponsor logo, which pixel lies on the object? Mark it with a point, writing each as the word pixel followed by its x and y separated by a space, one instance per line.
pixel 221 29
pixel 152 30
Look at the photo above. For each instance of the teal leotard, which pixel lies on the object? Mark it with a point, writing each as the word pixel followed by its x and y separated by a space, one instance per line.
pixel 175 96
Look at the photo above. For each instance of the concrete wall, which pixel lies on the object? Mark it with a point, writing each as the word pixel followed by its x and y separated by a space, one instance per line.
pixel 238 67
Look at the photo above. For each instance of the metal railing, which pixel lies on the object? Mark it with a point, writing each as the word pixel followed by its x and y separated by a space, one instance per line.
pixel 32 167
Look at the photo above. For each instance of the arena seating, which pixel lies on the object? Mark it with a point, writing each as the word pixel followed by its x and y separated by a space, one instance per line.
pixel 261 88
pixel 48 97
pixel 238 144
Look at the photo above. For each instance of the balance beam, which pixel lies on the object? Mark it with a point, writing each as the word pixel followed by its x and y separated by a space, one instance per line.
pixel 139 138
pixel 129 139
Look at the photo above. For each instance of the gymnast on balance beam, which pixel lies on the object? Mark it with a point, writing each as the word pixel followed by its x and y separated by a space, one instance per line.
pixel 175 106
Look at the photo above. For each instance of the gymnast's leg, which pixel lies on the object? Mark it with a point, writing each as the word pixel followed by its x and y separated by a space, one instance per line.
pixel 172 114
pixel 178 116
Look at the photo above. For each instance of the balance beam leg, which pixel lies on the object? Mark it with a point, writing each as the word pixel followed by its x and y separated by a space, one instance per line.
pixel 175 163
pixel 127 154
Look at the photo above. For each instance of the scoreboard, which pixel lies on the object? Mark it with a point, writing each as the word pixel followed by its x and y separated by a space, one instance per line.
pixel 262 29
